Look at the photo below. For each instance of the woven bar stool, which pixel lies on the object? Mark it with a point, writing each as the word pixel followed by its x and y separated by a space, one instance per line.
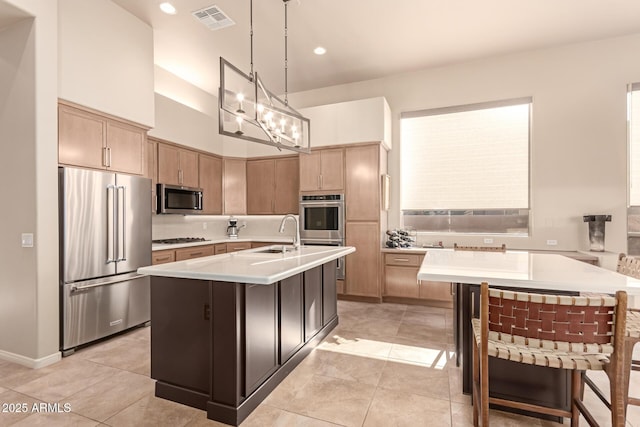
pixel 555 331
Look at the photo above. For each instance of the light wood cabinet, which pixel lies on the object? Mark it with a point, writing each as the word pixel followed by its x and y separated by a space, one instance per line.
pixel 210 180
pixel 238 246
pixel 362 269
pixel 220 248
pixel 362 195
pixel 162 257
pixel 151 170
pixel 401 281
pixel 261 186
pixel 177 166
pixel 94 141
pixel 272 186
pixel 194 252
pixel 322 170
pixel 234 186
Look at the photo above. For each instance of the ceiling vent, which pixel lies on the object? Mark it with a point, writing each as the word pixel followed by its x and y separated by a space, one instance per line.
pixel 213 17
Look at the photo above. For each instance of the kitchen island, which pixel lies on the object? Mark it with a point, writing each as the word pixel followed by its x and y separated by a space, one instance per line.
pixel 524 271
pixel 227 329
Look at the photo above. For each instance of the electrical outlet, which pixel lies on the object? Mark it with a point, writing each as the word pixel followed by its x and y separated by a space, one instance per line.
pixel 27 240
pixel 204 225
pixel 488 240
pixel 552 242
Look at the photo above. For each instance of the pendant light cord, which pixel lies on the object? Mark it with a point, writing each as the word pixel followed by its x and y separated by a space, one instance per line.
pixel 251 36
pixel 286 89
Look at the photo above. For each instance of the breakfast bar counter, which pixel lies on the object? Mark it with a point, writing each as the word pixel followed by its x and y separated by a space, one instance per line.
pixel 524 271
pixel 227 329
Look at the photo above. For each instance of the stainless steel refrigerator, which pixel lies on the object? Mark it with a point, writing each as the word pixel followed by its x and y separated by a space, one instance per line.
pixel 105 235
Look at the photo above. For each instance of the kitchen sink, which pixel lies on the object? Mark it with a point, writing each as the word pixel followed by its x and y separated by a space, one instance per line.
pixel 274 249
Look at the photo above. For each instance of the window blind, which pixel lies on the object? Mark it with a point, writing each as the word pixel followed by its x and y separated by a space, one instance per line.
pixel 634 145
pixel 466 157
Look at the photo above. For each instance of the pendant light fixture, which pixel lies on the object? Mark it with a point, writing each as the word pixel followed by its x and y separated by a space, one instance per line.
pixel 249 111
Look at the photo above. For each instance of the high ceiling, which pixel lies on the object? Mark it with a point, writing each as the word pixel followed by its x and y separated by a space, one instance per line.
pixel 367 39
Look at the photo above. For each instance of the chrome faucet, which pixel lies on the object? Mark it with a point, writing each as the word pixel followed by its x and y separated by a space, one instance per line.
pixel 296 238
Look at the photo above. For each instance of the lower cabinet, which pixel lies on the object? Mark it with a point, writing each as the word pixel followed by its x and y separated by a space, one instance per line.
pixel 194 252
pixel 261 334
pixel 329 292
pixel 312 302
pixel 180 337
pixel 291 317
pixel 401 280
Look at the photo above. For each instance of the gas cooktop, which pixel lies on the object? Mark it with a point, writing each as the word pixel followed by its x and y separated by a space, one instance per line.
pixel 180 240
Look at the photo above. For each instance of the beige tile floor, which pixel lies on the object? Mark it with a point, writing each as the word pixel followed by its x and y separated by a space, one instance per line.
pixel 384 365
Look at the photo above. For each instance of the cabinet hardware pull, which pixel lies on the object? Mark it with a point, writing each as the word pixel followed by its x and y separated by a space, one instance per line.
pixel 207 312
pixel 195 253
pixel 109 156
pixel 401 259
pixel 318 182
pixel 104 156
pixel 163 258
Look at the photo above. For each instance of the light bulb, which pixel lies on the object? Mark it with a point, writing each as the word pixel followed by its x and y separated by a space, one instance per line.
pixel 283 122
pixel 239 121
pixel 240 98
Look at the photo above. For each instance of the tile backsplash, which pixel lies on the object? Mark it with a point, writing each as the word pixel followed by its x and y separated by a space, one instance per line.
pixel 215 226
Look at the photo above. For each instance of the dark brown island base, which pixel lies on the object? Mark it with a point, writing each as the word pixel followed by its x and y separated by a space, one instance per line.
pixel 224 346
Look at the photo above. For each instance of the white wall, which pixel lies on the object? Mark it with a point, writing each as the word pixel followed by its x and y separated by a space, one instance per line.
pixel 578 150
pixel 106 59
pixel 28 162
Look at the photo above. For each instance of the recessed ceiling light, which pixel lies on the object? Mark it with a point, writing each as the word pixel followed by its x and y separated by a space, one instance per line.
pixel 319 50
pixel 167 8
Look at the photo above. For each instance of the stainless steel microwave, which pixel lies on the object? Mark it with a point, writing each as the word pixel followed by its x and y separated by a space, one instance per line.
pixel 174 199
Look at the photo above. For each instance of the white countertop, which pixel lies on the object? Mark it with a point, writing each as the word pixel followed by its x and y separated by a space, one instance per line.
pixel 278 239
pixel 250 266
pixel 523 269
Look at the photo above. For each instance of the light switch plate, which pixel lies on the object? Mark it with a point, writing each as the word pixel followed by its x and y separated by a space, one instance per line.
pixel 552 242
pixel 488 240
pixel 27 240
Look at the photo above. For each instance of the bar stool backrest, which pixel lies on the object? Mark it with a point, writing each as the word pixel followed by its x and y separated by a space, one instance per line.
pixel 502 248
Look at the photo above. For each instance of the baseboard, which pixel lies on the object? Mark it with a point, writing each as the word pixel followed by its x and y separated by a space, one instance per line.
pixel 29 362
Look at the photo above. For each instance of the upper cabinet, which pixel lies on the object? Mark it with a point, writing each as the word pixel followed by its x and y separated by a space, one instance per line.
pixel 272 186
pixel 177 166
pixel 210 180
pixel 365 165
pixel 95 141
pixel 234 186
pixel 322 170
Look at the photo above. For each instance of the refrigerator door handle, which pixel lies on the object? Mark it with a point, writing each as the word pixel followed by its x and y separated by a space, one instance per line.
pixel 76 288
pixel 110 224
pixel 122 221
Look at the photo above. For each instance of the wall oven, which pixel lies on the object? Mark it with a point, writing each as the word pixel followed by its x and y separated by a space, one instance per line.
pixel 322 222
pixel 322 216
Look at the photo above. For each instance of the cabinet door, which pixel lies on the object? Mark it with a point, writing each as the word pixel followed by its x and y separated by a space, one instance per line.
pixel 81 138
pixel 220 248
pixel 401 281
pixel 361 280
pixel 151 169
pixel 291 317
pixel 332 169
pixel 234 184
pixel 189 168
pixel 178 357
pixel 210 180
pixel 362 187
pixel 125 145
pixel 261 330
pixel 162 257
pixel 438 291
pixel 168 164
pixel 194 252
pixel 261 186
pixel 238 246
pixel 287 186
pixel 310 171
pixel 312 302
pixel 329 292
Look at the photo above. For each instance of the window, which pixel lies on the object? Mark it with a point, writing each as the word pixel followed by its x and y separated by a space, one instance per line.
pixel 633 214
pixel 466 168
